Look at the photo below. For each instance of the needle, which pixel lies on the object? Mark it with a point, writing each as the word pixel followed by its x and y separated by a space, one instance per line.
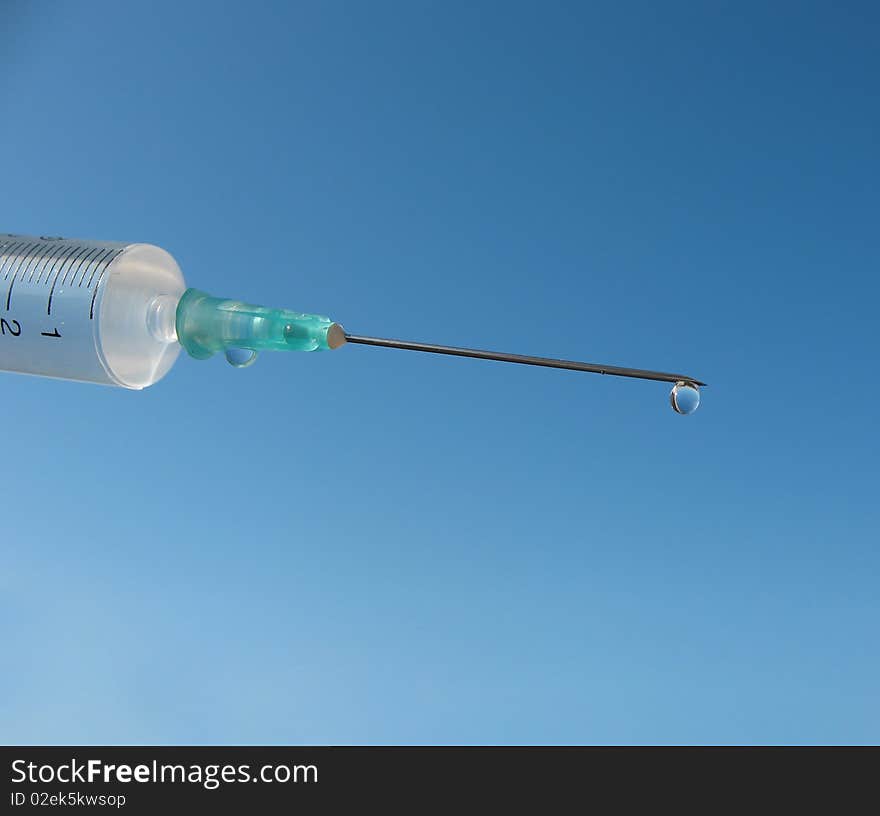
pixel 523 359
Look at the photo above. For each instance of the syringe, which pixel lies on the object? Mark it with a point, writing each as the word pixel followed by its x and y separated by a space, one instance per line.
pixel 118 314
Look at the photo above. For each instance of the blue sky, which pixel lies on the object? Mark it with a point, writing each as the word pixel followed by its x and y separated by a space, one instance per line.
pixel 371 546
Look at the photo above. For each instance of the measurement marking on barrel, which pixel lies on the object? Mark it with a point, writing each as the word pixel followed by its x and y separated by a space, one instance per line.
pixel 31 267
pixel 67 262
pixel 20 255
pixel 96 262
pixel 55 267
pixel 95 294
pixel 79 264
pixel 16 264
pixel 11 251
pixel 101 262
pixel 28 268
pixel 21 259
pixel 65 251
pixel 11 254
pixel 53 252
pixel 113 256
pixel 6 326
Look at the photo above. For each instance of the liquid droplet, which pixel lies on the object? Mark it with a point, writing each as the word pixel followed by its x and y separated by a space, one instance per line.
pixel 684 398
pixel 240 358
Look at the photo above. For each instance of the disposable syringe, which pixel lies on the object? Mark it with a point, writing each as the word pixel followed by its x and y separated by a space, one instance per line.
pixel 119 314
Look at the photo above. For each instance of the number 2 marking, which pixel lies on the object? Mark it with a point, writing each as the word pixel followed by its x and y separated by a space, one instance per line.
pixel 6 326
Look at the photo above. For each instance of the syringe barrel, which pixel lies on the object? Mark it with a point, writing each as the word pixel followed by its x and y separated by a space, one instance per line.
pixel 93 311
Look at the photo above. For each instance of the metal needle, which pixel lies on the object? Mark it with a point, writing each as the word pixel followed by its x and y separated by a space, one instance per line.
pixel 523 359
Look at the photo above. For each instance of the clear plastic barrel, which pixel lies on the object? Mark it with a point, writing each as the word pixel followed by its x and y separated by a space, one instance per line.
pixel 92 311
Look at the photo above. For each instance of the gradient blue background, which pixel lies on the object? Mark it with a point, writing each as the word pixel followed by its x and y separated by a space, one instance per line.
pixel 371 546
